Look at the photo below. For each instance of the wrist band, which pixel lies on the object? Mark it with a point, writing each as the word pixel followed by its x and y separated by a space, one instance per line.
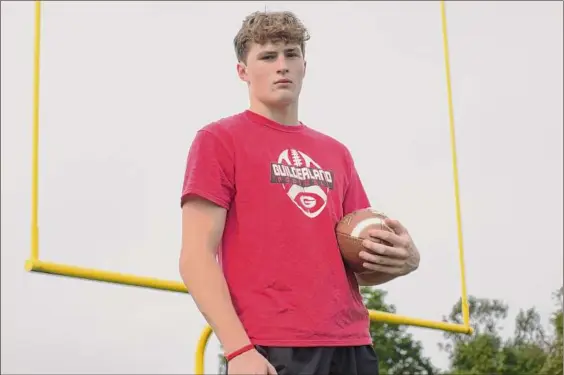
pixel 240 351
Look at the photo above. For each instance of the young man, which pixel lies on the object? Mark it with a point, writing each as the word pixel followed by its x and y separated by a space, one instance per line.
pixel 264 192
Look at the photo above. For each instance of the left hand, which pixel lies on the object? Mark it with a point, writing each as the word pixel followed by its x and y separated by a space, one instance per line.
pixel 399 259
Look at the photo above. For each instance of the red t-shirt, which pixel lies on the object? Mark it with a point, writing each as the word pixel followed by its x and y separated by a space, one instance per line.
pixel 285 188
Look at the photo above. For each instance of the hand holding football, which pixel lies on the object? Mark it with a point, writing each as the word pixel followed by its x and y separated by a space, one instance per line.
pixel 370 242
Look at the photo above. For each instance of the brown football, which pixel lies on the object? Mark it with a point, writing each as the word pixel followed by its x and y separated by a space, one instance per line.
pixel 353 229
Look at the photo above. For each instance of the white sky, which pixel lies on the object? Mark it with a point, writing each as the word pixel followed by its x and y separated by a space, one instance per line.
pixel 124 86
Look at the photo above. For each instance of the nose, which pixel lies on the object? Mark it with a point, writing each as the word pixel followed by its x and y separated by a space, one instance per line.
pixel 282 67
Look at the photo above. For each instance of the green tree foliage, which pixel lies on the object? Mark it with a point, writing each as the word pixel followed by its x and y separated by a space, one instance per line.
pixel 398 351
pixel 530 350
pixel 555 361
pixel 222 365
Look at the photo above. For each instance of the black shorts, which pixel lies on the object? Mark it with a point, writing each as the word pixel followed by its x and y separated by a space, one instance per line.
pixel 346 360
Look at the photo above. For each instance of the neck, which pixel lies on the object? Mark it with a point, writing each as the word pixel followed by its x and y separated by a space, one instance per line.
pixel 286 115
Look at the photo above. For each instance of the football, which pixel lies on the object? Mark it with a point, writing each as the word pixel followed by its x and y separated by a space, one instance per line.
pixel 352 229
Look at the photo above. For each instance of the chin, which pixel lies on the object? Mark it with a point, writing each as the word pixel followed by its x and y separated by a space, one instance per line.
pixel 282 100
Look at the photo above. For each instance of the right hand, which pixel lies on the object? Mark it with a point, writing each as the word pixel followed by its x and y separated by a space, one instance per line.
pixel 250 363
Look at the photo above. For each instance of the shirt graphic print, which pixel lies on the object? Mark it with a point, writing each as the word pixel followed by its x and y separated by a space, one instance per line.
pixel 305 182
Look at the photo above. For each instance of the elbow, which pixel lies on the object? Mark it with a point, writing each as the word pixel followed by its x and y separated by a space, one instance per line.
pixel 191 262
pixel 185 263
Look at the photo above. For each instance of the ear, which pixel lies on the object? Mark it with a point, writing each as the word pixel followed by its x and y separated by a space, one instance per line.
pixel 242 72
pixel 305 67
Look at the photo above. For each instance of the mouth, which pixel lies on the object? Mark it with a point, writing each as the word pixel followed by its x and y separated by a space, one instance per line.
pixel 282 81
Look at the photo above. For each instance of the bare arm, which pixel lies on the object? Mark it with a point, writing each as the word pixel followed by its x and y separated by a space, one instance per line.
pixel 372 279
pixel 202 229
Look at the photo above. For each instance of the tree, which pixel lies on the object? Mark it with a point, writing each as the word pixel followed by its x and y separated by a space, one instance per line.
pixel 222 365
pixel 398 351
pixel 554 363
pixel 528 351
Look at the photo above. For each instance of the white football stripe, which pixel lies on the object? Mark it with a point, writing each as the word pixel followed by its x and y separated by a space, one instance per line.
pixel 362 225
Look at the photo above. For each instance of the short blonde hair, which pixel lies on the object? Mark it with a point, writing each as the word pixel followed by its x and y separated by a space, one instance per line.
pixel 273 27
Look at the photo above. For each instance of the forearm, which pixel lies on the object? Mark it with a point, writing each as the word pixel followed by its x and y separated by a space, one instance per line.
pixel 372 279
pixel 205 282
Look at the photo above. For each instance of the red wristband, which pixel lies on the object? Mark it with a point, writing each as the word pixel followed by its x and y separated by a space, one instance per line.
pixel 238 352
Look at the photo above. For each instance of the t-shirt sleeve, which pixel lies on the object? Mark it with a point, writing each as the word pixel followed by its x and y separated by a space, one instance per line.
pixel 355 195
pixel 209 170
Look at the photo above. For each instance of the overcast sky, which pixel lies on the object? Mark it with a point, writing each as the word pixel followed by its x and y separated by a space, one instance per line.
pixel 124 87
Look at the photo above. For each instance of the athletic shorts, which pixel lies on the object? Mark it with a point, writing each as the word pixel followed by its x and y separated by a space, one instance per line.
pixel 346 360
